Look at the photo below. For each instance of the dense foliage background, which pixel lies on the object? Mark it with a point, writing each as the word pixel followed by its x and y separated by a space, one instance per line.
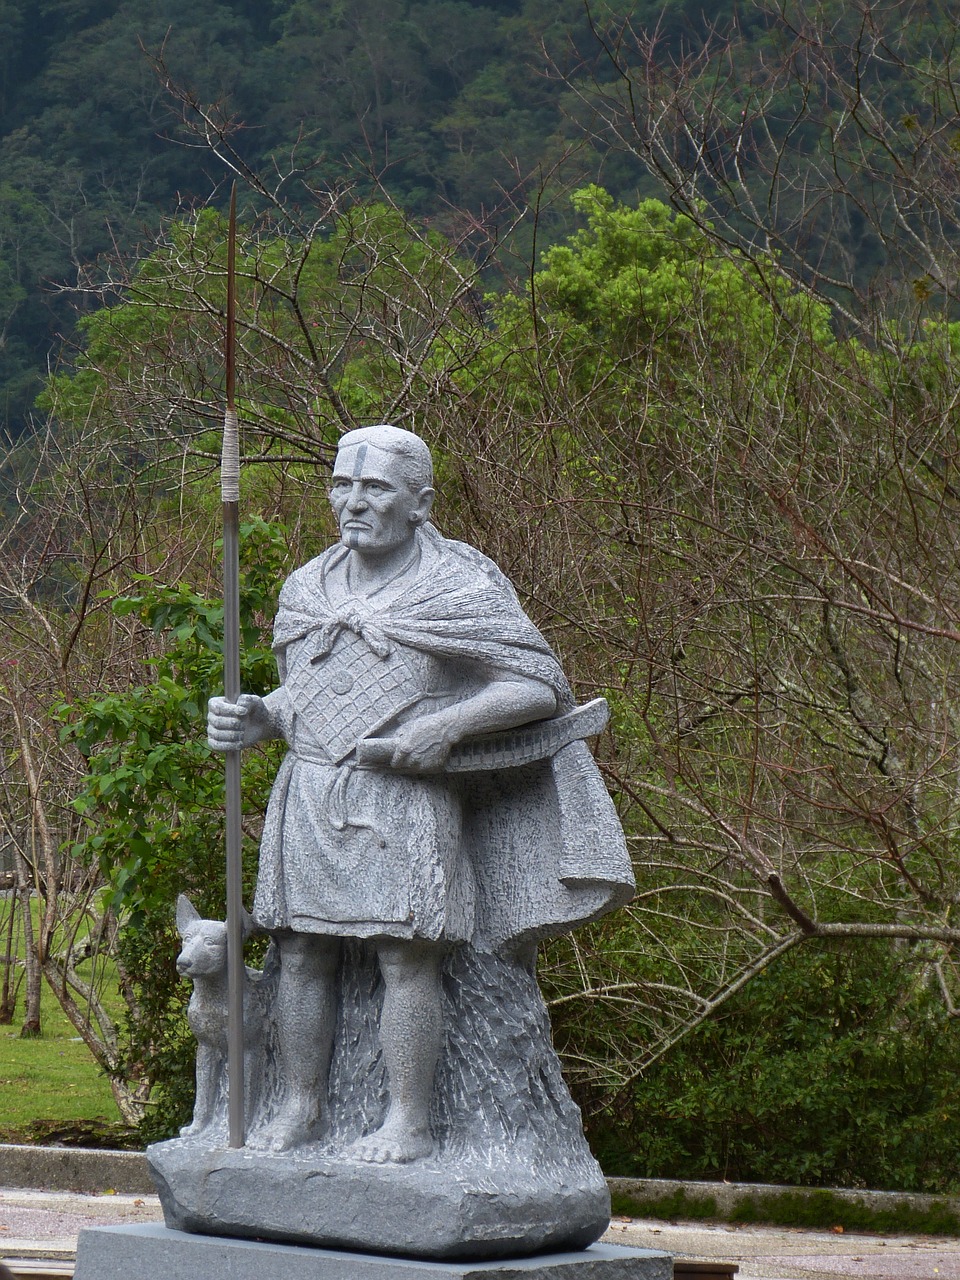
pixel 713 442
pixel 448 100
pixel 456 107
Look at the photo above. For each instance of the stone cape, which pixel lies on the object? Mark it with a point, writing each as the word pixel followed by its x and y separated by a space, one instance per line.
pixel 511 1175
pixel 543 842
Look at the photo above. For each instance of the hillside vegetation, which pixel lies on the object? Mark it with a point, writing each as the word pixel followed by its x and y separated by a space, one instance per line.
pixel 447 100
pixel 455 107
pixel 712 438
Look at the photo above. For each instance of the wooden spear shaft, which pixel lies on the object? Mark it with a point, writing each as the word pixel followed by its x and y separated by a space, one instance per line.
pixel 230 494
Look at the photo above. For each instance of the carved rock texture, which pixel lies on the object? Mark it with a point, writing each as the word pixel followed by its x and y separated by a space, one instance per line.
pixel 511 1172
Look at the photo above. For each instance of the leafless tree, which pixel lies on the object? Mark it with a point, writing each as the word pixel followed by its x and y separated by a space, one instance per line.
pixel 745 537
pixel 824 135
pixel 73 539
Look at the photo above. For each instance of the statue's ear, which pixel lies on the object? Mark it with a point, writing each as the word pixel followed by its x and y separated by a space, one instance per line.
pixel 420 512
pixel 187 913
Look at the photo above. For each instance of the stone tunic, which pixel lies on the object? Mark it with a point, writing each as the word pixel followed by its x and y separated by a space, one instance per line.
pixel 360 851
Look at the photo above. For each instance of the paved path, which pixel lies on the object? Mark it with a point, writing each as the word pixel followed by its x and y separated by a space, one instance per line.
pixel 43 1224
pixel 779 1253
pixel 37 1224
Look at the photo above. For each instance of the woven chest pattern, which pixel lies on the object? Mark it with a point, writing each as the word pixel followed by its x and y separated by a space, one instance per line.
pixel 351 691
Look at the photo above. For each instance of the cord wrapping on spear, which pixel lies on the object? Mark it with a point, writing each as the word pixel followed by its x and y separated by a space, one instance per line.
pixel 230 458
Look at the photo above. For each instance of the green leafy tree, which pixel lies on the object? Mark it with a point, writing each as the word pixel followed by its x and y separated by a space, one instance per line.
pixel 727 485
pixel 338 319
pixel 152 802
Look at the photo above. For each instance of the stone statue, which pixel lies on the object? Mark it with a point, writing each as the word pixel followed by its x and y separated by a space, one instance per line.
pixel 203 959
pixel 437 813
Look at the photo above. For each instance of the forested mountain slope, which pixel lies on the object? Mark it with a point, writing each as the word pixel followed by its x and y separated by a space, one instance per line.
pixel 451 104
pixel 446 99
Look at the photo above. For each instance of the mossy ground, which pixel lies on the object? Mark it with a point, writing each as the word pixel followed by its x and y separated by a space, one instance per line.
pixel 800 1208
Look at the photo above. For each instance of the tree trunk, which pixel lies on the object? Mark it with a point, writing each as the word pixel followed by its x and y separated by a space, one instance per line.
pixel 130 1100
pixel 31 959
pixel 8 987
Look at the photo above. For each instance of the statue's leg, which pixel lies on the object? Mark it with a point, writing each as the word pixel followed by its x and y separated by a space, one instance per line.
pixel 411 1035
pixel 306 1011
pixel 210 1066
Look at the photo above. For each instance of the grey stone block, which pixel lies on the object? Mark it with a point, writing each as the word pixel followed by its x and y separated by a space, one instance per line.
pixel 144 1252
pixel 429 1209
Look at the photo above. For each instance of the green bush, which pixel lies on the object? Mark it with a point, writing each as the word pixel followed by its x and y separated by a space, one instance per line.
pixel 817 1209
pixel 153 803
pixel 829 1069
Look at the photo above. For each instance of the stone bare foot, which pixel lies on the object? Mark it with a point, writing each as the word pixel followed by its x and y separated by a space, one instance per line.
pixel 393 1143
pixel 291 1127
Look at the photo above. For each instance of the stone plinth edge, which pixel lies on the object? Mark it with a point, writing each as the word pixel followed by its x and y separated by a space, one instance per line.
pixel 426 1209
pixel 146 1251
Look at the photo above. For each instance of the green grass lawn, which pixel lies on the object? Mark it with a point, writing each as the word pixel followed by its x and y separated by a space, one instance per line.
pixel 51 1081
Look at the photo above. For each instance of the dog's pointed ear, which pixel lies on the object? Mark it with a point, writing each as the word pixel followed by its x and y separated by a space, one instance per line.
pixel 187 913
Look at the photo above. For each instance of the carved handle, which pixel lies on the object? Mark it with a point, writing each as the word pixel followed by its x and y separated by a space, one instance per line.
pixel 508 750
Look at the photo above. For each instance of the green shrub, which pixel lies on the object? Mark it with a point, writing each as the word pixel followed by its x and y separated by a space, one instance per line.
pixel 830 1068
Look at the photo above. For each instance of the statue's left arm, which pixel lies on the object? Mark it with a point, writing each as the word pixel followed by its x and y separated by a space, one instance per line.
pixel 507 700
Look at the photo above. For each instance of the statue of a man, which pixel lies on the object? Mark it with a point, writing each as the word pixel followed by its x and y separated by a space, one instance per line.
pixel 398 633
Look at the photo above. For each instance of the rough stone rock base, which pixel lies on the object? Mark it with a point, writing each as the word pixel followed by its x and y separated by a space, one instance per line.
pixel 510 1174
pixel 151 1252
pixel 428 1209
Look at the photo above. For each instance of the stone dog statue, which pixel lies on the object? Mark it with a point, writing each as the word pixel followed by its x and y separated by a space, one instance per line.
pixel 203 959
pixel 437 813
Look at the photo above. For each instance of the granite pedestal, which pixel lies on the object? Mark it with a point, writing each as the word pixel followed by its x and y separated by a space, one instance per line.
pixel 428 1209
pixel 149 1251
pixel 511 1173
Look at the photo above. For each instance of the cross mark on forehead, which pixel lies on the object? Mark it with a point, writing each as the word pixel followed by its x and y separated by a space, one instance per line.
pixel 368 463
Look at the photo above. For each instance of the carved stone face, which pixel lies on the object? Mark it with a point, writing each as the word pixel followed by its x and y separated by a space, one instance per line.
pixel 376 509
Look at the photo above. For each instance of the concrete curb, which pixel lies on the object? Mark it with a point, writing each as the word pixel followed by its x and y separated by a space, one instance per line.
pixel 75 1169
pixel 729 1196
pixel 94 1172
